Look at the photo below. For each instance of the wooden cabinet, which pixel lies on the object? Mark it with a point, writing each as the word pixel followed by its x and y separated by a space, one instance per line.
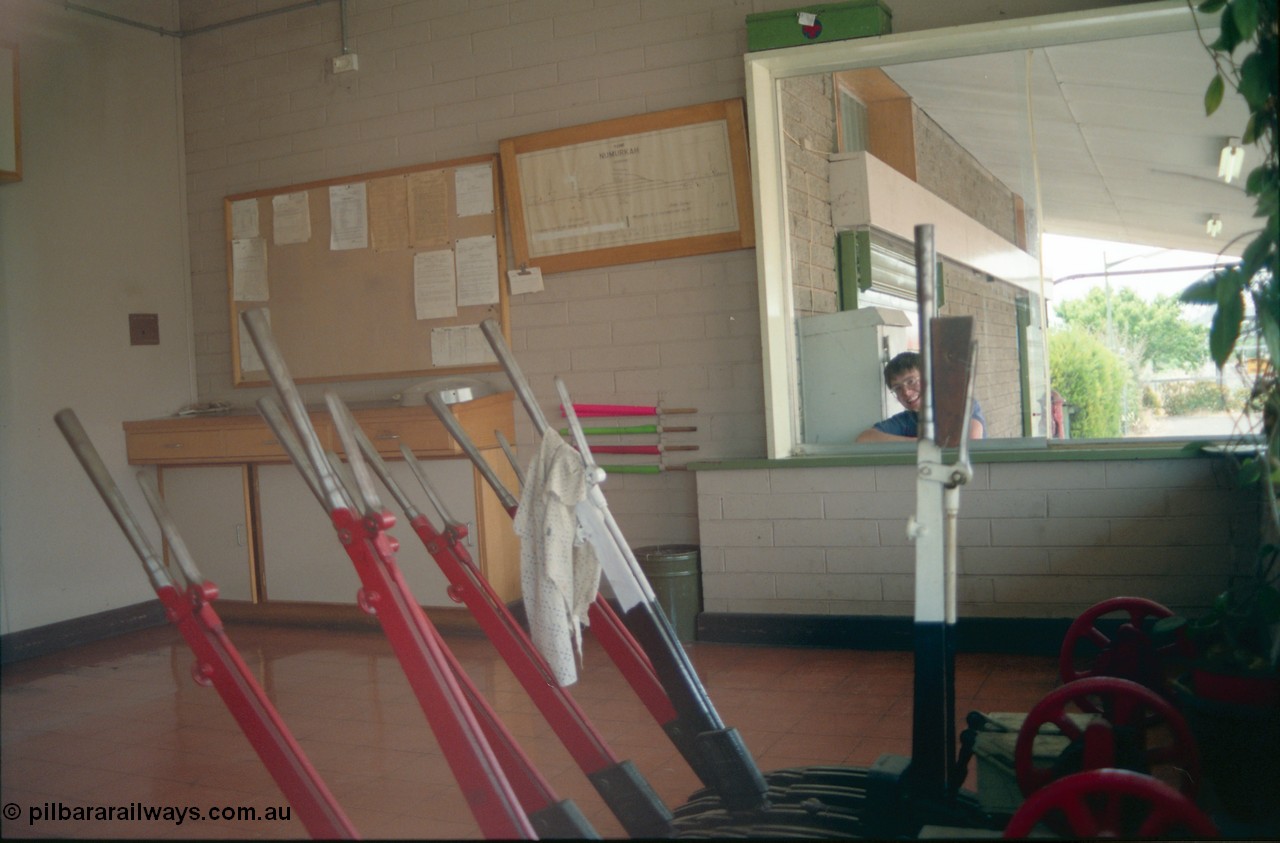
pixel 238 501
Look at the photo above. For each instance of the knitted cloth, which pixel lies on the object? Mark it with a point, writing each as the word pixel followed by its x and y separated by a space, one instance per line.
pixel 559 572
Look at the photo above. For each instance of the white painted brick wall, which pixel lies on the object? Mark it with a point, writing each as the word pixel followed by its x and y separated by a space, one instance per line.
pixel 1045 539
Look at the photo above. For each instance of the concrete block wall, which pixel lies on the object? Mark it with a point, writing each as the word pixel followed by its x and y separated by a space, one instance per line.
pixel 950 171
pixel 442 80
pixel 809 138
pixel 1037 539
pixel 680 333
pixel 998 385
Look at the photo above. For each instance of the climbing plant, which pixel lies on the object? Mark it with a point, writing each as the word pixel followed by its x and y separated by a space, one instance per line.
pixel 1245 60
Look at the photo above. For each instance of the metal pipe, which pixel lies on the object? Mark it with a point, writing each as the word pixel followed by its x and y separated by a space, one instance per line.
pixel 380 468
pixel 460 436
pixel 594 473
pixel 92 463
pixel 342 16
pixel 493 334
pixel 511 455
pixel 260 332
pixel 436 501
pixel 345 481
pixel 345 424
pixel 169 529
pixel 270 410
pixel 926 277
pixel 172 33
pixel 200 30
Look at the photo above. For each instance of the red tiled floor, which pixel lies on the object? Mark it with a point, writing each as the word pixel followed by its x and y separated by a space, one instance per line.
pixel 121 721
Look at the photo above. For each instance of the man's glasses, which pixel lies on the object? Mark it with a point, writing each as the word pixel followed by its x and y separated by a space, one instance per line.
pixel 911 384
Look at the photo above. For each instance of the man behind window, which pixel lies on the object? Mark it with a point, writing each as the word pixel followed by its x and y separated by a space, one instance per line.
pixel 902 375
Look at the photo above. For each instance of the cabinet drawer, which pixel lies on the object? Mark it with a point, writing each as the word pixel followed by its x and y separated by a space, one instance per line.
pixel 175 446
pixel 424 439
pixel 251 442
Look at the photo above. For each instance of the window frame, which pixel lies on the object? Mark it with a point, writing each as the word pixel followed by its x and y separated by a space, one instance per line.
pixel 764 71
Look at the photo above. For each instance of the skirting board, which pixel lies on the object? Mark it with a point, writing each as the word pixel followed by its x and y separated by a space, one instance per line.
pixel 1034 636
pixel 51 638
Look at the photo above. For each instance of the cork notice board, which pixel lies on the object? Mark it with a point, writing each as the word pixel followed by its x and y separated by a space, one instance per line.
pixel 384 274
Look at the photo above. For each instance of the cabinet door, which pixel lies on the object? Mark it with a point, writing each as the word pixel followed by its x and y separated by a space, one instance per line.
pixel 453 482
pixel 302 559
pixel 208 506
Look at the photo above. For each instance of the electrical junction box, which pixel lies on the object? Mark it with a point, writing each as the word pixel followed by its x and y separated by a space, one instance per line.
pixel 842 357
pixel 818 23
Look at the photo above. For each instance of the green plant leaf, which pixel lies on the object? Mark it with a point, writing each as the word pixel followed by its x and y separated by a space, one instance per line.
pixel 1254 182
pixel 1213 94
pixel 1250 134
pixel 1225 328
pixel 1268 201
pixel 1228 36
pixel 1245 14
pixel 1250 472
pixel 1208 7
pixel 1204 291
pixel 1255 255
pixel 1269 326
pixel 1255 83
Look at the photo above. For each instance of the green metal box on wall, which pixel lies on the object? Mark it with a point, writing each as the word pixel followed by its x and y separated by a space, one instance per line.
pixel 818 23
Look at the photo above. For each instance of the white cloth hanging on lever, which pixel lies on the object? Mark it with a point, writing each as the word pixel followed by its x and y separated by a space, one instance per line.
pixel 559 571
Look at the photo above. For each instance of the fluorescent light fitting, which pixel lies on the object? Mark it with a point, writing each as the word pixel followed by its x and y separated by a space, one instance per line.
pixel 1213 226
pixel 1231 161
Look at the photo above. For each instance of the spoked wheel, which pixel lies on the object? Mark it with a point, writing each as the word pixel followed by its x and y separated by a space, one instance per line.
pixel 1129 652
pixel 1135 729
pixel 1111 803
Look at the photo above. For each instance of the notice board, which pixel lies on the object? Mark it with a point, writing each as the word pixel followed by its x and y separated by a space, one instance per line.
pixel 384 274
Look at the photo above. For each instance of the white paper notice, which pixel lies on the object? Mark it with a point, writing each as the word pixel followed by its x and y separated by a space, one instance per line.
pixel 250 361
pixel 291 218
pixel 461 345
pixel 527 280
pixel 348 217
pixel 249 269
pixel 474 188
pixel 435 289
pixel 477 259
pixel 477 347
pixel 244 219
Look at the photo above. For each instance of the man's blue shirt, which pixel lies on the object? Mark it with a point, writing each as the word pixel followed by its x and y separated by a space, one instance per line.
pixel 907 424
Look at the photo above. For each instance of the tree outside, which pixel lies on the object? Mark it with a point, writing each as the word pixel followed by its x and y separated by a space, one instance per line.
pixel 1162 352
pixel 1092 379
pixel 1154 335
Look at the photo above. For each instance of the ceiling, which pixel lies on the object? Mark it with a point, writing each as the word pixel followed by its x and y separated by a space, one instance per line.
pixel 1121 141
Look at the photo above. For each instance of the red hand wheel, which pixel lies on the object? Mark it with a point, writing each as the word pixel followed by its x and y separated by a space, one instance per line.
pixel 1134 728
pixel 1111 803
pixel 1129 652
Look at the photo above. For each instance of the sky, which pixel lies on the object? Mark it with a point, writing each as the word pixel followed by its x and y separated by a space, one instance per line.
pixel 1069 256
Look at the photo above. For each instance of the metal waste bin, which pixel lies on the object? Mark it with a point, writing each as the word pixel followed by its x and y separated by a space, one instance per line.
pixel 674 575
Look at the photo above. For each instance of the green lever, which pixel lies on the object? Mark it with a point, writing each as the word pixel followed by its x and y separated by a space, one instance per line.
pixel 638 428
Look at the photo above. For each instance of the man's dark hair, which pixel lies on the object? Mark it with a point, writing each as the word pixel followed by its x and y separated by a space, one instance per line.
pixel 901 364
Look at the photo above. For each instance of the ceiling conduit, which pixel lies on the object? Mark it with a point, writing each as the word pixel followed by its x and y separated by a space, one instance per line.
pixel 199 30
